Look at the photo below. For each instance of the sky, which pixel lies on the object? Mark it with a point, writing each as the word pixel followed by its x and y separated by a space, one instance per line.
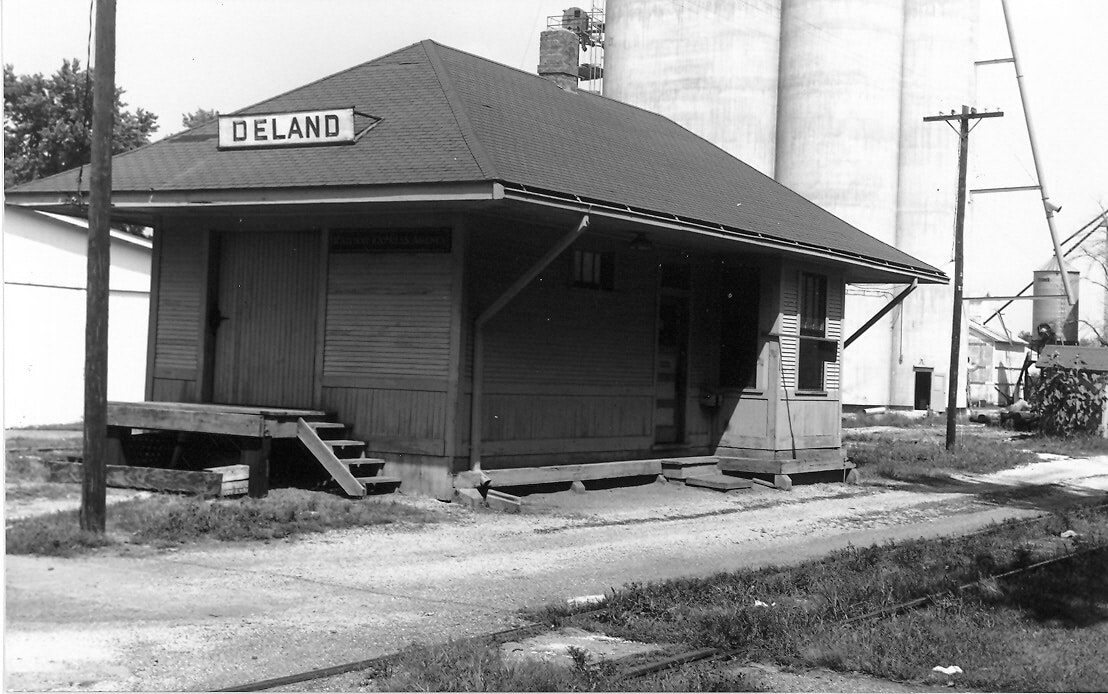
pixel 174 56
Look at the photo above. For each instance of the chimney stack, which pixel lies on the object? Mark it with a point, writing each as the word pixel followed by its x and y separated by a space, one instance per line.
pixel 559 54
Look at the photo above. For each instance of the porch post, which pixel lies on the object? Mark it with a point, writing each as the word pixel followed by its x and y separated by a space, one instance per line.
pixel 477 393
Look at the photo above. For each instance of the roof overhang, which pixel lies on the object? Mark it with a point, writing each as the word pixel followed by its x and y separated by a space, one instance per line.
pixel 858 269
pixel 144 206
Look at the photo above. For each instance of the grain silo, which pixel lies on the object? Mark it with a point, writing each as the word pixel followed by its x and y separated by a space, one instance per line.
pixel 938 71
pixel 1051 305
pixel 828 96
pixel 711 66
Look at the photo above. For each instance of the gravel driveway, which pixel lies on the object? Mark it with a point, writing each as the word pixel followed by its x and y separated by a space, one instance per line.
pixel 219 615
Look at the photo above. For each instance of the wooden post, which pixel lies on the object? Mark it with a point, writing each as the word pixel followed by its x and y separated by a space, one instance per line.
pixel 255 454
pixel 964 119
pixel 94 480
pixel 959 262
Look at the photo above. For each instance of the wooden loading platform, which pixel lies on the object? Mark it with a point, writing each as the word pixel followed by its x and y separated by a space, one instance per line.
pixel 255 428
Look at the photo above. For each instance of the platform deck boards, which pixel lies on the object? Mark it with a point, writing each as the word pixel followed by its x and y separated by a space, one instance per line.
pixel 233 420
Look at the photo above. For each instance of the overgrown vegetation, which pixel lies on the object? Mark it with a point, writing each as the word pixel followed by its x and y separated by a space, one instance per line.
pixel 1045 630
pixel 923 458
pixel 893 419
pixel 1068 401
pixel 164 521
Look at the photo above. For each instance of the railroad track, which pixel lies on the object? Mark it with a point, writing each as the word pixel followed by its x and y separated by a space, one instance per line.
pixel 702 654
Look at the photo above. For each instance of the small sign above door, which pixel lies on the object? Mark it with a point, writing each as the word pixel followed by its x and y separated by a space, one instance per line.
pixel 292 129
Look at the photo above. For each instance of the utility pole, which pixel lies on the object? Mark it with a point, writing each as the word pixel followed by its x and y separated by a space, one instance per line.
pixel 963 131
pixel 94 480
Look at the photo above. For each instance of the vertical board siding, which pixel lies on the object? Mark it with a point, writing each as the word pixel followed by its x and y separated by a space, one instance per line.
pixel 835 293
pixel 176 336
pixel 790 327
pixel 388 315
pixel 268 289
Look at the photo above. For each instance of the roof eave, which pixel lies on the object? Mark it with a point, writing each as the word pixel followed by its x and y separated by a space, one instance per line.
pixel 165 201
pixel 893 271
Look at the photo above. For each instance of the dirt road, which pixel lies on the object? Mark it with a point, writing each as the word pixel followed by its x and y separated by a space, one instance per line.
pixel 220 615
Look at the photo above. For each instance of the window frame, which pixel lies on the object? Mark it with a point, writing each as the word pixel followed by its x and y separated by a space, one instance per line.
pixel 592 269
pixel 813 345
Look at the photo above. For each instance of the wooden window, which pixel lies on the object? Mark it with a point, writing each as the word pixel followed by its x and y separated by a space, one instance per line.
pixel 594 270
pixel 815 348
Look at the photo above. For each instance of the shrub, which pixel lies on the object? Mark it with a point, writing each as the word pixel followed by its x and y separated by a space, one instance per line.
pixel 1069 401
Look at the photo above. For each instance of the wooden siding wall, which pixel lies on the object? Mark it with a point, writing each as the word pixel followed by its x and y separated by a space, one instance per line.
pixel 807 421
pixel 703 352
pixel 387 348
pixel 568 371
pixel 176 337
pixel 747 416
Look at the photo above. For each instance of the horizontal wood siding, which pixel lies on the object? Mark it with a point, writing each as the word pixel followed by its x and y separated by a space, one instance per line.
pixel 177 334
pixel 174 390
pixel 391 420
pixel 510 417
pixel 703 352
pixel 387 346
pixel 790 327
pixel 835 296
pixel 388 315
pixel 567 369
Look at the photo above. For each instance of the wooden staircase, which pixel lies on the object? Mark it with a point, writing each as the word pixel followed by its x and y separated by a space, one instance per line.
pixel 343 458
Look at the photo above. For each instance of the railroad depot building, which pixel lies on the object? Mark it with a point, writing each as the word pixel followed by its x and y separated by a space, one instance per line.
pixel 470 266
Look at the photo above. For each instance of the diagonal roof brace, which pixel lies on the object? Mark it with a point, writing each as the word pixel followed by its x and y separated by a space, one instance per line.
pixel 881 314
pixel 477 391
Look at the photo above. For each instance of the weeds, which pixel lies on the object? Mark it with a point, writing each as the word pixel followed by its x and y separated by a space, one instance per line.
pixel 894 419
pixel 1010 634
pixel 914 460
pixel 164 521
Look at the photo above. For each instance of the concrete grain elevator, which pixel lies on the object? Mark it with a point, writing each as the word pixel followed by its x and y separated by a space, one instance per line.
pixel 828 97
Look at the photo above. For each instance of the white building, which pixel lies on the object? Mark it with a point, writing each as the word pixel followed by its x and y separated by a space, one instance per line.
pixel 45 260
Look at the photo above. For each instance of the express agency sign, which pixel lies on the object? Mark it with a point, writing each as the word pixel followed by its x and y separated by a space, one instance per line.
pixel 293 129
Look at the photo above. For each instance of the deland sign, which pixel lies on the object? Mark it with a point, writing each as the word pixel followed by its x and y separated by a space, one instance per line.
pixel 295 129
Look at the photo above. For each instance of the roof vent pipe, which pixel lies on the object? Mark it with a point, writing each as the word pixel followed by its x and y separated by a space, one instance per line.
pixel 559 55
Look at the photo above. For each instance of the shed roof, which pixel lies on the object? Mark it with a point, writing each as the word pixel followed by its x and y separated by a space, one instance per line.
pixel 449 117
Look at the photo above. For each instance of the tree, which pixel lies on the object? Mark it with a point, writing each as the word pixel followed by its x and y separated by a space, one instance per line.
pixel 198 117
pixel 47 122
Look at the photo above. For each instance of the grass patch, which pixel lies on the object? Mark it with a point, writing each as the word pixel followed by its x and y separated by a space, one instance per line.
pixel 165 521
pixel 474 666
pixel 1042 632
pixel 40 490
pixel 1080 446
pixel 898 458
pixel 901 420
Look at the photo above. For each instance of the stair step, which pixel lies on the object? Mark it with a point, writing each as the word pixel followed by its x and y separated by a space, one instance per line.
pixel 378 480
pixel 363 462
pixel 343 448
pixel 326 429
pixel 718 481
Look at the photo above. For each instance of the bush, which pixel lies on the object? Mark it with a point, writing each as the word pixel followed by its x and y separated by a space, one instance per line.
pixel 1068 401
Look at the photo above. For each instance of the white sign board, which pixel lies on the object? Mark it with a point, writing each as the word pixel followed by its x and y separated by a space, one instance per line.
pixel 296 129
